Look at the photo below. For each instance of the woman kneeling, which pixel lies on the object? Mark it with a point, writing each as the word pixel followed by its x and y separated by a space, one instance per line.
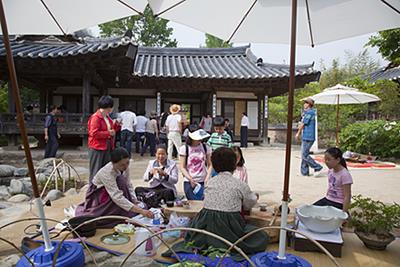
pixel 223 200
pixel 111 192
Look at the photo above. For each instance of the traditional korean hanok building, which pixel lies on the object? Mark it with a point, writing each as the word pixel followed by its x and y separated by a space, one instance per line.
pixel 75 72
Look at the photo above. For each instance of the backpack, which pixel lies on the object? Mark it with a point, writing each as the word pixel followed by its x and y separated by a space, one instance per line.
pixel 187 151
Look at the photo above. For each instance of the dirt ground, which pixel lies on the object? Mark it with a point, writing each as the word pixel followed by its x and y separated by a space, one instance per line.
pixel 266 170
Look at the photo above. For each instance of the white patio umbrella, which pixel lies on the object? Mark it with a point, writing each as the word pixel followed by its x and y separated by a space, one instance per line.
pixel 271 21
pixel 340 94
pixel 65 16
pixel 53 17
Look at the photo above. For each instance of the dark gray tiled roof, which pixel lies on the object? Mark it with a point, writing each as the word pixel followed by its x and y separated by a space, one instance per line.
pixel 384 74
pixel 53 47
pixel 219 63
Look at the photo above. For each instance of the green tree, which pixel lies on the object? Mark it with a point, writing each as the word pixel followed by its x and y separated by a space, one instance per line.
pixel 28 97
pixel 347 74
pixel 3 98
pixel 147 30
pixel 215 42
pixel 388 44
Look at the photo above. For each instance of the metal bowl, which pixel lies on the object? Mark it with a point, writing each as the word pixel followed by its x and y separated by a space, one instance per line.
pixel 321 219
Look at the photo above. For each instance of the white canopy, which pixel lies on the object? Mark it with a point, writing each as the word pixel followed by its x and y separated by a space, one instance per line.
pixel 268 21
pixel 42 16
pixel 340 94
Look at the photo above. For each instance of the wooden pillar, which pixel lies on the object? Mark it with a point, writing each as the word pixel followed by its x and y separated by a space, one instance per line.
pixel 214 104
pixel 49 99
pixel 158 104
pixel 85 103
pixel 264 118
pixel 42 100
pixel 11 102
pixel 86 94
pixel 260 112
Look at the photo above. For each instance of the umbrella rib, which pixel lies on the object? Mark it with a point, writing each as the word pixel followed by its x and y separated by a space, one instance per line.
pixel 392 7
pixel 355 99
pixel 130 7
pixel 169 8
pixel 52 16
pixel 241 22
pixel 309 24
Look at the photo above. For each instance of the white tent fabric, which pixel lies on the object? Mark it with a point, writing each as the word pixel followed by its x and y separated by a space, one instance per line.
pixel 340 94
pixel 269 20
pixel 33 16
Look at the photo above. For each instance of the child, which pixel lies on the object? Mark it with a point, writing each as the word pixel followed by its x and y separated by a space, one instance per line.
pixel 339 179
pixel 241 171
pixel 195 163
pixel 219 138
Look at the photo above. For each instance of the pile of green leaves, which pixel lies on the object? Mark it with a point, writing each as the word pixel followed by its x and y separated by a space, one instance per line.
pixel 374 217
pixel 380 138
pixel 210 251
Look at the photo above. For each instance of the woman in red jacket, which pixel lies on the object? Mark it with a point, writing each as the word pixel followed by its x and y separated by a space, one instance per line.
pixel 101 131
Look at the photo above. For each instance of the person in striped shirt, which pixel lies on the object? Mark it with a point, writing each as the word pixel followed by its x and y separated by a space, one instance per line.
pixel 220 138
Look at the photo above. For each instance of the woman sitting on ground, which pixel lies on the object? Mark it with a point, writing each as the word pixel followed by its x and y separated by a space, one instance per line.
pixel 224 197
pixel 111 192
pixel 162 175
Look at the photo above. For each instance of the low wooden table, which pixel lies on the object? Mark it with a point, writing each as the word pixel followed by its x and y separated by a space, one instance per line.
pixel 191 212
pixel 266 218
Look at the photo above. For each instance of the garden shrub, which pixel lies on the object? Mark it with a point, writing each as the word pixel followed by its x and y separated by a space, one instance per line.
pixel 380 138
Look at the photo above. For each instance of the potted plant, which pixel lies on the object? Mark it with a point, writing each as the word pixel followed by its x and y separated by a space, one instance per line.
pixel 373 221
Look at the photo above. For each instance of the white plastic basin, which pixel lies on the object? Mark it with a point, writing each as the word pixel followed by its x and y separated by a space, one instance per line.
pixel 321 219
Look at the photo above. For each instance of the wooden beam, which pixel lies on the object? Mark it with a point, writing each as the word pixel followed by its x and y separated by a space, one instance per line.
pixel 86 93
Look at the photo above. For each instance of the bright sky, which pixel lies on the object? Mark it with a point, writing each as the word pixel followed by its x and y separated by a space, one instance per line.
pixel 271 53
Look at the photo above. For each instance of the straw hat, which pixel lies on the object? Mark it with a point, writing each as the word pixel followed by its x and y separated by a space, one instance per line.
pixel 199 135
pixel 174 108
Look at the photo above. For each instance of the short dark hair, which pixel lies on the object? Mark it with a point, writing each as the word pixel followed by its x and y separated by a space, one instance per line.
pixel 226 119
pixel 118 154
pixel 52 107
pixel 223 159
pixel 241 160
pixel 29 107
pixel 219 121
pixel 162 146
pixel 105 101
pixel 244 113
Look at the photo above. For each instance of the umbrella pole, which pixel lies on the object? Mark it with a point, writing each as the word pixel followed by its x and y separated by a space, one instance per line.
pixel 21 124
pixel 337 122
pixel 285 199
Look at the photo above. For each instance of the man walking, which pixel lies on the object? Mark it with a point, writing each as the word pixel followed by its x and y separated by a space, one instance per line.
pixel 307 129
pixel 141 121
pixel 51 133
pixel 174 129
pixel 244 130
pixel 128 120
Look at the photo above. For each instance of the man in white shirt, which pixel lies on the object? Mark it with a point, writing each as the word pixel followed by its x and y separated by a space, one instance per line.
pixel 141 121
pixel 244 128
pixel 128 120
pixel 174 129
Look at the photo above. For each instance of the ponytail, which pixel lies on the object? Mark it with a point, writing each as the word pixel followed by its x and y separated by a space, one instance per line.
pixel 337 154
pixel 343 162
